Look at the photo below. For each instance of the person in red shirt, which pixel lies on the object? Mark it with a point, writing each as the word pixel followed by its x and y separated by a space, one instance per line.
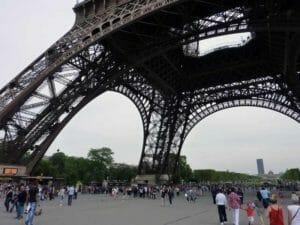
pixel 250 207
pixel 234 206
pixel 275 212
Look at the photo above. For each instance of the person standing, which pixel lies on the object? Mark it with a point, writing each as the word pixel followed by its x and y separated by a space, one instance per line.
pixel 294 212
pixel 71 191
pixel 275 212
pixel 21 199
pixel 75 192
pixel 163 193
pixel 8 198
pixel 170 195
pixel 177 190
pixel 240 193
pixel 213 194
pixel 32 201
pixel 221 203
pixel 61 196
pixel 234 204
pixel 258 195
pixel 51 193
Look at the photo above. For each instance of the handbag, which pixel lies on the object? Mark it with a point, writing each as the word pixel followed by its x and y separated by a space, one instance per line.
pixel 38 211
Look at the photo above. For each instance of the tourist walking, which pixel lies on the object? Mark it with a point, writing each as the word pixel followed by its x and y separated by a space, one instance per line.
pixel 213 194
pixel 163 193
pixel 75 192
pixel 258 195
pixel 221 203
pixel 32 200
pixel 13 202
pixel 240 193
pixel 177 190
pixel 71 191
pixel 170 195
pixel 8 198
pixel 21 199
pixel 275 212
pixel 61 196
pixel 234 204
pixel 250 207
pixel 294 211
pixel 265 195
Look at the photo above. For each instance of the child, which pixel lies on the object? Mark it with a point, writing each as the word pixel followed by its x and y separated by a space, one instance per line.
pixel 250 212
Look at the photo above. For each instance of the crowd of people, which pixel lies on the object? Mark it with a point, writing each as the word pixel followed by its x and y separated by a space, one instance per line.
pixel 164 192
pixel 266 205
pixel 25 199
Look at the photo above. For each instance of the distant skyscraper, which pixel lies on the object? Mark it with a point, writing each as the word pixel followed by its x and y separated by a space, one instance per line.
pixel 260 166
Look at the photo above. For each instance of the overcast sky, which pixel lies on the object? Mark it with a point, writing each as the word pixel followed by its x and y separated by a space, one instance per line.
pixel 228 140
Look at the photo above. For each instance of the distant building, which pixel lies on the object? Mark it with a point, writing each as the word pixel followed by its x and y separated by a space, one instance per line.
pixel 260 166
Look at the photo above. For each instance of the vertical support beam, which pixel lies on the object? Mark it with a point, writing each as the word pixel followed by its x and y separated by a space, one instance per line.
pixel 163 144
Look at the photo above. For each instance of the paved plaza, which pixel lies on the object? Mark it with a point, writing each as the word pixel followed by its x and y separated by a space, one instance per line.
pixel 102 210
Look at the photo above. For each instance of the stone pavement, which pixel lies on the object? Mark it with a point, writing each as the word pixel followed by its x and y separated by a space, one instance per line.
pixel 102 210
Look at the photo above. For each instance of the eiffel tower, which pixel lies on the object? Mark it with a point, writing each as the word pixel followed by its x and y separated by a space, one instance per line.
pixel 151 52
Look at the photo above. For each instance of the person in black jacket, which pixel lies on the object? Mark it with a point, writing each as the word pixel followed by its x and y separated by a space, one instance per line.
pixel 8 198
pixel 240 193
pixel 32 201
pixel 21 199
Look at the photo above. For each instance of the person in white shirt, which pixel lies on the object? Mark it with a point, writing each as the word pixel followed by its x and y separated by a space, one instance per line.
pixel 71 191
pixel 61 195
pixel 294 212
pixel 265 194
pixel 221 203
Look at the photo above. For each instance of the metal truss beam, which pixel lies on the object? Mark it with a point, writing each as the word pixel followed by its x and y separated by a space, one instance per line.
pixel 137 48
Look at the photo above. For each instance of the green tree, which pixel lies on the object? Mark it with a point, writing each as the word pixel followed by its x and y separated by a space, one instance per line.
pixel 100 161
pixel 291 174
pixel 212 175
pixel 45 168
pixel 183 172
pixel 84 170
pixel 71 173
pixel 58 161
pixel 123 172
pixel 101 156
pixel 204 175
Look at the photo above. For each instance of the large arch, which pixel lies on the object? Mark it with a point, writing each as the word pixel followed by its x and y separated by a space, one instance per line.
pixel 123 46
pixel 141 104
pixel 266 94
pixel 232 139
pixel 260 103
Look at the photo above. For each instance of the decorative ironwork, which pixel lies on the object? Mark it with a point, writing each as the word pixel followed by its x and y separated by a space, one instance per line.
pixel 144 49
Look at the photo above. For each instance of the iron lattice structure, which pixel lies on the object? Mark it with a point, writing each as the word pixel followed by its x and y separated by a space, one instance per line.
pixel 144 50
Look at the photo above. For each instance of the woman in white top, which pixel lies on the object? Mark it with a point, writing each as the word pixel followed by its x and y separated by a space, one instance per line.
pixel 61 195
pixel 294 212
